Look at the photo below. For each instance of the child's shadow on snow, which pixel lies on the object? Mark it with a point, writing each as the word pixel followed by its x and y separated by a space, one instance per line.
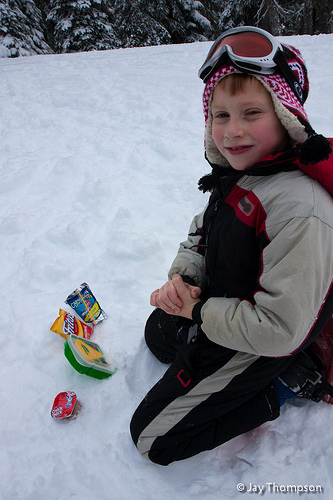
pixel 143 371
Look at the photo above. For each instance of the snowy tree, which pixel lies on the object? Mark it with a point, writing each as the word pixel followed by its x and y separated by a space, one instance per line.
pixel 154 22
pixel 230 13
pixel 42 26
pixel 136 25
pixel 285 17
pixel 280 17
pixel 21 29
pixel 273 15
pixel 80 25
pixel 198 26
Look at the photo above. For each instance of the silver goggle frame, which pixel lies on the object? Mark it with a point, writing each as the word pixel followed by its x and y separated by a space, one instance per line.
pixel 264 65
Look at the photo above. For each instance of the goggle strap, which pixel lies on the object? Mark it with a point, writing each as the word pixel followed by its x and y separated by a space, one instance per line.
pixel 287 72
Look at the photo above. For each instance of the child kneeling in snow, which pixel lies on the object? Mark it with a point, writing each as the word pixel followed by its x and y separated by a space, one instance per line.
pixel 251 288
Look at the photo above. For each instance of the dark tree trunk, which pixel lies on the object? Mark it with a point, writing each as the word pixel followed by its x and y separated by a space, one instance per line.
pixel 274 18
pixel 308 17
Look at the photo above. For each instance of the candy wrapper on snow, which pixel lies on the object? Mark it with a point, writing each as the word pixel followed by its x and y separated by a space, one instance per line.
pixel 67 324
pixel 66 405
pixel 85 304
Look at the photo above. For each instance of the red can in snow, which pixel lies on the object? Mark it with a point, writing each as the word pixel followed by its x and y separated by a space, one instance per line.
pixel 65 405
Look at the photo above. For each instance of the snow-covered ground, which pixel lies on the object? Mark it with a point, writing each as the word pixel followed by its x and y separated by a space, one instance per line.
pixel 100 154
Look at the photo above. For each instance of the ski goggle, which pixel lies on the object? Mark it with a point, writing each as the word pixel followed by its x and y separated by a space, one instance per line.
pixel 251 50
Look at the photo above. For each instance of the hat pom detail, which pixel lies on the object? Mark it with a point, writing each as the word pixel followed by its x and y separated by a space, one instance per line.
pixel 208 182
pixel 315 149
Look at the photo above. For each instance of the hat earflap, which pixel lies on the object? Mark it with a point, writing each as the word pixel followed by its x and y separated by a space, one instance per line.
pixel 312 147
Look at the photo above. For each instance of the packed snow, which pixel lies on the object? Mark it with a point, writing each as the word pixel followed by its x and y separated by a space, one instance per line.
pixel 100 156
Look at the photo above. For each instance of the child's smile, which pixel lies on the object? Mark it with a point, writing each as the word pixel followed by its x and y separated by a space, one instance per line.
pixel 239 150
pixel 245 127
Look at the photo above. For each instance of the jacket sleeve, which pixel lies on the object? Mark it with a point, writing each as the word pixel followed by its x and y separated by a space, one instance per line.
pixel 297 272
pixel 189 262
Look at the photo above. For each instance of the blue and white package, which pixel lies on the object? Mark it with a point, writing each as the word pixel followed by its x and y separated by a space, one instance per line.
pixel 85 304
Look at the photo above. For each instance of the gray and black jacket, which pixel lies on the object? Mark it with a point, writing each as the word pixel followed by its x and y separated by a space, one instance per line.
pixel 262 252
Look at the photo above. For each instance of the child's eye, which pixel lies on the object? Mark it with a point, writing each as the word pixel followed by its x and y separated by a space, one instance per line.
pixel 221 115
pixel 253 112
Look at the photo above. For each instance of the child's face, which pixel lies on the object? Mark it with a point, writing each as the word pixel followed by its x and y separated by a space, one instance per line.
pixel 245 127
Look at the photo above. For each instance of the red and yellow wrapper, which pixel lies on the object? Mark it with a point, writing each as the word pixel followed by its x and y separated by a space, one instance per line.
pixel 67 324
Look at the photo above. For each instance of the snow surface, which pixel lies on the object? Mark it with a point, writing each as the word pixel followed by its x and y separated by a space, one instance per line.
pixel 100 156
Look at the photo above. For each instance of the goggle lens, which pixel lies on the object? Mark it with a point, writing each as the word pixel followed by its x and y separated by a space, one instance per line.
pixel 246 44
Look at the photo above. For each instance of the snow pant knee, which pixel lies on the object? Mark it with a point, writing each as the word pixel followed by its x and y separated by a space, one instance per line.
pixel 164 333
pixel 263 407
pixel 207 396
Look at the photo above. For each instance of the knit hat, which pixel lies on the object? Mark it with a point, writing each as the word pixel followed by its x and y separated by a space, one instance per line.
pixel 288 108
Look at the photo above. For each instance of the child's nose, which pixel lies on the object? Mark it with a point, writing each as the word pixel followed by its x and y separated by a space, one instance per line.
pixel 233 129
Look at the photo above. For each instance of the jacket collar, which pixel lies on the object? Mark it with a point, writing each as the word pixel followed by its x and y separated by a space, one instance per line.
pixel 285 161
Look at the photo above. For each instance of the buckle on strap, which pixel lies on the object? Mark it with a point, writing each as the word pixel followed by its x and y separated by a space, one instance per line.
pixel 314 387
pixel 314 377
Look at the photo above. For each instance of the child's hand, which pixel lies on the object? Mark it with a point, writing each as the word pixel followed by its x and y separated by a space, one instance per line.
pixel 188 295
pixel 166 298
pixel 170 301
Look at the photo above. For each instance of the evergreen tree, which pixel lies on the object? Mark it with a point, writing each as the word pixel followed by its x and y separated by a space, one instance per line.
pixel 197 24
pixel 21 29
pixel 81 25
pixel 282 17
pixel 136 26
pixel 43 26
pixel 155 22
pixel 231 13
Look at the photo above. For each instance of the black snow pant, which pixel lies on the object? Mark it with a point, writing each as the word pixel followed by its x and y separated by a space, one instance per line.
pixel 209 394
